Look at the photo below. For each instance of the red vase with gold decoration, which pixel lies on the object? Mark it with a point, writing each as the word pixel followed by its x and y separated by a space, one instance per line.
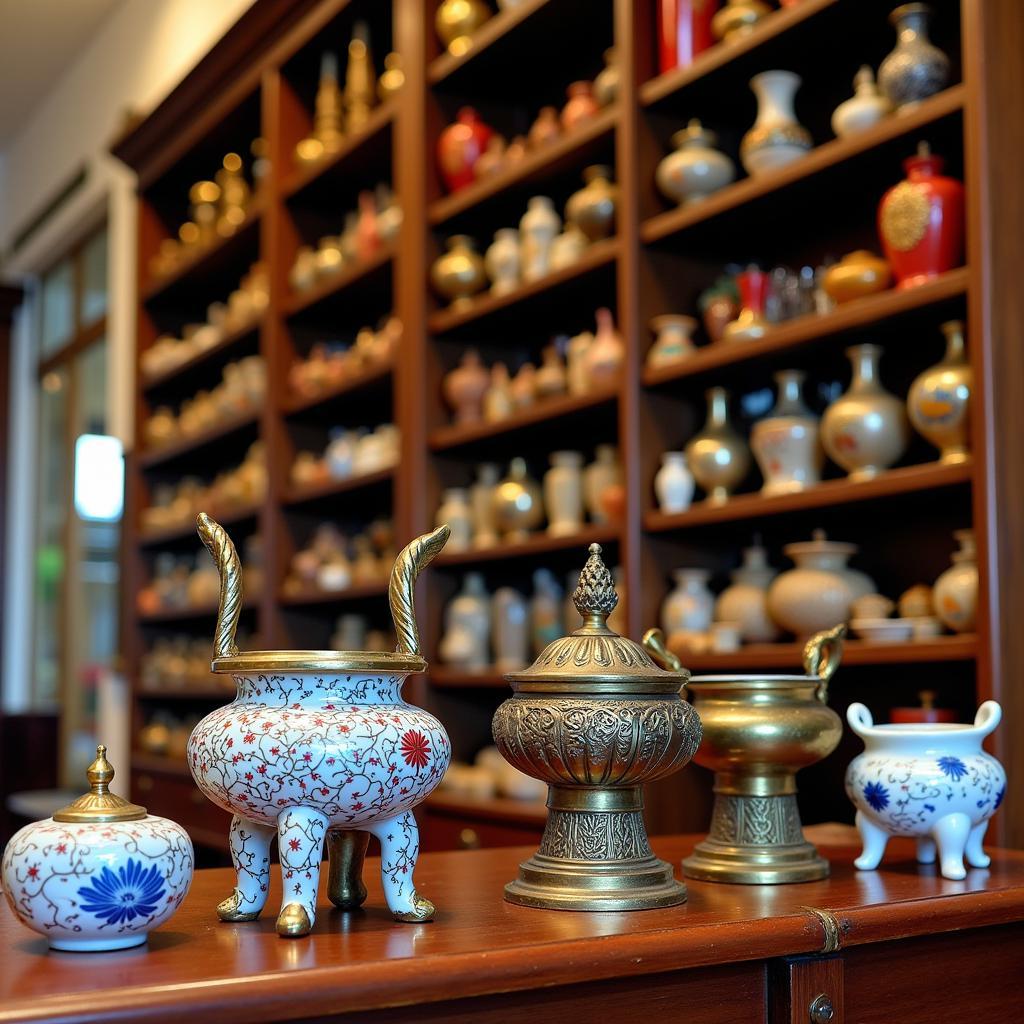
pixel 459 147
pixel 684 30
pixel 921 221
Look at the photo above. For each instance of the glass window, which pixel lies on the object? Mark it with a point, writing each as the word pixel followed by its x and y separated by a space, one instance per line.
pixel 58 307
pixel 93 299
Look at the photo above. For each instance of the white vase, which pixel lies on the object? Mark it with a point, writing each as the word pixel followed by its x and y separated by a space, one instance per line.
pixel 467 621
pixel 690 605
pixel 673 340
pixel 510 630
pixel 455 511
pixel 502 261
pixel 604 472
pixel 674 484
pixel 545 611
pixel 786 443
pixel 955 593
pixel 777 138
pixel 563 494
pixel 865 430
pixel 865 108
pixel 567 248
pixel 498 404
pixel 696 168
pixel 481 502
pixel 537 230
pixel 745 600
pixel 577 363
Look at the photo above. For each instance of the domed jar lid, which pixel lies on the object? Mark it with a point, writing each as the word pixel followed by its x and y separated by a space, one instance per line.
pixel 99 804
pixel 595 659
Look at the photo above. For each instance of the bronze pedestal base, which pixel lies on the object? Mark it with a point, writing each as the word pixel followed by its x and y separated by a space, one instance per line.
pixel 755 840
pixel 595 856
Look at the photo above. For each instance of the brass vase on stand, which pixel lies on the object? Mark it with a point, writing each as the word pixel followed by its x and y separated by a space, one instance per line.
pixel 360 80
pixel 594 717
pixel 328 121
pixel 759 731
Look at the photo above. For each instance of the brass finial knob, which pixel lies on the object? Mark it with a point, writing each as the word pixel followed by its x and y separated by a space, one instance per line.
pixel 595 595
pixel 100 773
pixel 99 804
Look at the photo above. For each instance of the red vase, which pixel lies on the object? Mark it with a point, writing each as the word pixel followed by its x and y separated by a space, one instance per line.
pixel 684 30
pixel 921 221
pixel 459 147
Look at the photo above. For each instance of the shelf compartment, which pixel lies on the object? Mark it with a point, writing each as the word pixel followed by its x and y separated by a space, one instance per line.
pixel 541 412
pixel 316 492
pixel 597 256
pixel 820 159
pixel 373 377
pixel 149 458
pixel 571 148
pixel 813 328
pixel 343 281
pixel 541 544
pixel 191 613
pixel 226 517
pixel 905 480
pixel 320 597
pixel 215 353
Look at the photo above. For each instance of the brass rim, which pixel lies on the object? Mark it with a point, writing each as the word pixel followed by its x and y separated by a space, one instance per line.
pixel 275 662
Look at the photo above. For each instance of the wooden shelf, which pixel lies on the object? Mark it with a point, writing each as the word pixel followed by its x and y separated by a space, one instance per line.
pixel 855 652
pixel 904 480
pixel 150 457
pixel 598 255
pixel 300 495
pixel 159 765
pixel 540 544
pixel 497 808
pixel 357 382
pixel 231 340
pixel 341 281
pixel 354 593
pixel 564 151
pixel 380 120
pixel 191 612
pixel 814 327
pixel 769 28
pixel 459 679
pixel 821 158
pixel 498 27
pixel 226 517
pixel 544 410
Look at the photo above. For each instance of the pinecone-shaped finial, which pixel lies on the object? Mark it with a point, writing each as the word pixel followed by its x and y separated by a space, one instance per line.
pixel 595 594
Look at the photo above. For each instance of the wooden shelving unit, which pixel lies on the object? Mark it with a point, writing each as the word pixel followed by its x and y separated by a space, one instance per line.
pixel 658 261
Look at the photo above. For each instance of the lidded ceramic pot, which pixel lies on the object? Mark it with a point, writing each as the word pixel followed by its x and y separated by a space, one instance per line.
pixel 673 341
pixel 777 138
pixel 955 594
pixel 595 718
pixel 929 781
pixel 939 399
pixel 785 443
pixel 319 745
pixel 865 108
pixel 717 456
pixel 696 168
pixel 745 600
pixel 101 873
pixel 916 69
pixel 857 274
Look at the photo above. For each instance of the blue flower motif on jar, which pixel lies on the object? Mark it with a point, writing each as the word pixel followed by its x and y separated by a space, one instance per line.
pixel 135 891
pixel 953 767
pixel 876 795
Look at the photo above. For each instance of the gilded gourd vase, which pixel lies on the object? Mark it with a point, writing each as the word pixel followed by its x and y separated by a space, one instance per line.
pixel 717 456
pixel 319 746
pixel 939 399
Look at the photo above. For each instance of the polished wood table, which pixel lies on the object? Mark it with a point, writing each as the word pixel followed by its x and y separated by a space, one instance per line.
pixel 892 946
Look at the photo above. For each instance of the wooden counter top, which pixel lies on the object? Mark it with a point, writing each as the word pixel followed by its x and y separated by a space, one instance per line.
pixel 478 944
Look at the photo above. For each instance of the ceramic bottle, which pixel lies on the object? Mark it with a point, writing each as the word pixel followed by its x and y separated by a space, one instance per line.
pixel 498 404
pixel 518 504
pixel 939 399
pixel 606 84
pixel 592 208
pixel 524 386
pixel 481 500
pixel 955 594
pixel 567 248
pixel 502 261
pixel 460 146
pixel 545 611
pixel 777 138
pixel 604 472
pixel 717 456
pixel 674 484
pixel 510 630
pixel 455 511
pixel 581 104
pixel 673 340
pixel 340 453
pixel 459 274
pixel 563 494
pixel 545 128
pixel 465 386
pixel 696 168
pixel 551 375
pixel 537 230
pixel 466 640
pixel 690 605
pixel 785 443
pixel 916 69
pixel 750 324
pixel 578 364
pixel 865 108
pixel 865 430
pixel 606 352
pixel 745 600
pixel 921 221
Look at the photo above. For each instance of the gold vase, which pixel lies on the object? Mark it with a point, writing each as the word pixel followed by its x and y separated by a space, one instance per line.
pixel 457 20
pixel 459 274
pixel 595 718
pixel 939 399
pixel 592 208
pixel 718 457
pixel 759 731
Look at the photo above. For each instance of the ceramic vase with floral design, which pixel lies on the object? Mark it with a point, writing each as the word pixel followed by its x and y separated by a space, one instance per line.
pixel 785 443
pixel 939 399
pixel 916 69
pixel 955 594
pixel 673 340
pixel 777 138
pixel 460 146
pixel 696 168
pixel 745 600
pixel 865 430
pixel 717 456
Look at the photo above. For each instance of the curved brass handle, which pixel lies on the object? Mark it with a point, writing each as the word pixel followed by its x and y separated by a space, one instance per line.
pixel 822 654
pixel 654 643
pixel 218 543
pixel 411 561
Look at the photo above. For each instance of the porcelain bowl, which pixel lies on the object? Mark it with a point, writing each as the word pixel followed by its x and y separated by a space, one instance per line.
pixel 883 631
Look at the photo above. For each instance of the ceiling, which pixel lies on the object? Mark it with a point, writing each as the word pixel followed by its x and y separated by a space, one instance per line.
pixel 39 38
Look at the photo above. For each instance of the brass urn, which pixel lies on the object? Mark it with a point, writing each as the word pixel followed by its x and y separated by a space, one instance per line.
pixel 759 731
pixel 594 717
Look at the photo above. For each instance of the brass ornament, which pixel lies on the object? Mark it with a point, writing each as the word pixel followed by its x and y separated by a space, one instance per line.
pixel 905 216
pixel 594 717
pixel 99 804
pixel 775 135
